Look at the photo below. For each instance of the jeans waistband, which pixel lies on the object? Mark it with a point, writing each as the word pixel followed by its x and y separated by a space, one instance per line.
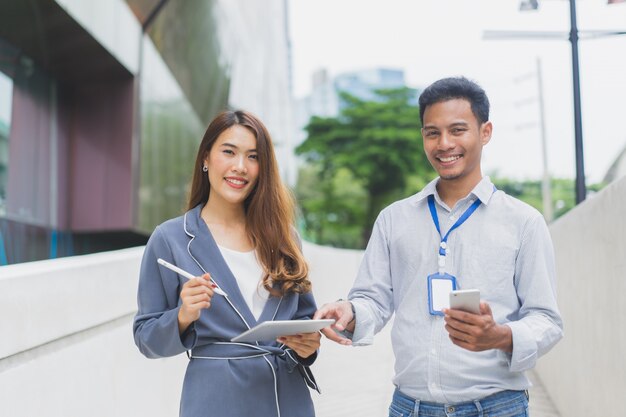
pixel 491 402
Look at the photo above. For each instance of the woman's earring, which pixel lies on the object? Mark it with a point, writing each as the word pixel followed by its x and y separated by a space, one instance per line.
pixel 205 168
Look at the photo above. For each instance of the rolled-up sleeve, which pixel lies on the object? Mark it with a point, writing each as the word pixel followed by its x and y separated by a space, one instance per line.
pixel 372 294
pixel 539 326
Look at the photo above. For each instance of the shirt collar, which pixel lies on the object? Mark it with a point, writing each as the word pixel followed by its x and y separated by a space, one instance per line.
pixel 430 189
pixel 483 190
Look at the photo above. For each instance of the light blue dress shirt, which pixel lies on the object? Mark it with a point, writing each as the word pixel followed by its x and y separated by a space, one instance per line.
pixel 504 250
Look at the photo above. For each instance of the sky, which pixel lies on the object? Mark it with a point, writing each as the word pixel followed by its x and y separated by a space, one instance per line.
pixel 432 39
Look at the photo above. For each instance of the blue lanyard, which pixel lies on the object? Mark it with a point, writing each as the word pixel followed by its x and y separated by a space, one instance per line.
pixel 443 245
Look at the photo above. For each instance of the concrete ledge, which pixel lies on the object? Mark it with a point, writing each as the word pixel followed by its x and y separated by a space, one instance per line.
pixel 51 299
pixel 97 373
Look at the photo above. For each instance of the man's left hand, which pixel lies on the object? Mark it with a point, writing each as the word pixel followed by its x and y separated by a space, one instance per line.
pixel 477 332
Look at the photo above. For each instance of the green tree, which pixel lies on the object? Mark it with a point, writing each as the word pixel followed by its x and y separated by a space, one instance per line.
pixel 378 142
pixel 529 191
pixel 332 209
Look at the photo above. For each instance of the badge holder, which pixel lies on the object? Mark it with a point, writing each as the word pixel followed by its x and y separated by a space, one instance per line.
pixel 441 283
pixel 439 286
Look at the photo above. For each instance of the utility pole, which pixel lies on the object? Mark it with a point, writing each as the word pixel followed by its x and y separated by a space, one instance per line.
pixel 580 188
pixel 546 189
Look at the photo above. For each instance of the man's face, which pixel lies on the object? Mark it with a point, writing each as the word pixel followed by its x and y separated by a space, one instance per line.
pixel 453 139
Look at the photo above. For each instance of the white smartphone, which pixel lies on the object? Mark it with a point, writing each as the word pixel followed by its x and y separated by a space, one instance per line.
pixel 466 300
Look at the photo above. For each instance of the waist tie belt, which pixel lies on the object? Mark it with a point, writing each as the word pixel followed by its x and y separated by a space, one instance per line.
pixel 224 350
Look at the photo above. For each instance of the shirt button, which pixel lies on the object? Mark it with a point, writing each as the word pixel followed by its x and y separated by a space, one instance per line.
pixel 433 351
pixel 433 385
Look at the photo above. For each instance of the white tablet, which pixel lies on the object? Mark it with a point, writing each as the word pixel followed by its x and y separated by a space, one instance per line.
pixel 270 330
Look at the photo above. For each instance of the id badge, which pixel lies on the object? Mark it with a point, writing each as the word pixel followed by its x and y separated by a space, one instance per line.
pixel 439 287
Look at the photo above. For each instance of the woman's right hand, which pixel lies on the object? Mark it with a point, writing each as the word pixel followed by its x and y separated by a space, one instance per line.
pixel 196 296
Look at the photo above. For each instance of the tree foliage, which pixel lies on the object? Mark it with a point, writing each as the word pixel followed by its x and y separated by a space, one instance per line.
pixel 371 155
pixel 376 146
pixel 529 191
pixel 333 209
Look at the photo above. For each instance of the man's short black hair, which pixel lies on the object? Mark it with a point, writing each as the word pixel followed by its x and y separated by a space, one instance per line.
pixel 455 88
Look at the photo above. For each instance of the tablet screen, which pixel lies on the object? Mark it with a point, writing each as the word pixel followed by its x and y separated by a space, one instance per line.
pixel 270 330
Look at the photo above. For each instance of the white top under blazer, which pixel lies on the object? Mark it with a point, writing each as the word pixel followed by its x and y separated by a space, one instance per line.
pixel 248 272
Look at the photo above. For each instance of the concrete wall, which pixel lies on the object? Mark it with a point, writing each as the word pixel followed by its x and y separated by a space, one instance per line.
pixel 586 372
pixel 66 345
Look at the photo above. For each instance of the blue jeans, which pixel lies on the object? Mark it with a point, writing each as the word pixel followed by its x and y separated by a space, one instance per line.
pixel 500 404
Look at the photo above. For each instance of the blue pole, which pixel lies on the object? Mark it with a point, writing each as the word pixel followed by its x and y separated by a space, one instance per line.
pixel 53 244
pixel 3 253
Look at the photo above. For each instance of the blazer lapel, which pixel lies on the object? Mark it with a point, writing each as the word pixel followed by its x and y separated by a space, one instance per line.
pixel 270 309
pixel 203 249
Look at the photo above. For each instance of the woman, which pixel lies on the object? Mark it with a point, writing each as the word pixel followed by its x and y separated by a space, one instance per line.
pixel 237 236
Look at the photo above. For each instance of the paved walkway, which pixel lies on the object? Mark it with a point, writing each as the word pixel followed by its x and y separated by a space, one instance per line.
pixel 357 381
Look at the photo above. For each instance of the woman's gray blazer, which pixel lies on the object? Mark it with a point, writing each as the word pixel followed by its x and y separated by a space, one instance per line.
pixel 222 378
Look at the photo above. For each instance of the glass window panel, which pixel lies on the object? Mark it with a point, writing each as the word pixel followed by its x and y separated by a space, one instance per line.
pixel 6 94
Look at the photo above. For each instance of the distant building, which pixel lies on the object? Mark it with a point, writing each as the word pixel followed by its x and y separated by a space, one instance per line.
pixel 103 105
pixel 325 99
pixel 363 84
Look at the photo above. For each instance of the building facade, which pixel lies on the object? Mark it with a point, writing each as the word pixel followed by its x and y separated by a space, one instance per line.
pixel 103 105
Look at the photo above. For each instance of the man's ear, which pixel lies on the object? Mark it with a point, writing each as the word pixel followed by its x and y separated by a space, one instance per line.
pixel 485 132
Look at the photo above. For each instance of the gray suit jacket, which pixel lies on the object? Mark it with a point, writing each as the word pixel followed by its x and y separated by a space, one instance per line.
pixel 222 379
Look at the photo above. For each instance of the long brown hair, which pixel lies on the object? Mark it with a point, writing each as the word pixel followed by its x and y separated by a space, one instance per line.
pixel 269 207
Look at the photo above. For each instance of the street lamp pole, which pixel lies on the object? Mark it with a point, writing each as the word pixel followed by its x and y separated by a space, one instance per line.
pixel 574 33
pixel 581 189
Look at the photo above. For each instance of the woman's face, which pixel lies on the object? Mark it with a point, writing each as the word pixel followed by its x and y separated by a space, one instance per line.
pixel 233 165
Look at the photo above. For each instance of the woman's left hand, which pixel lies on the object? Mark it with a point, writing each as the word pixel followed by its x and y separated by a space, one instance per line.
pixel 304 344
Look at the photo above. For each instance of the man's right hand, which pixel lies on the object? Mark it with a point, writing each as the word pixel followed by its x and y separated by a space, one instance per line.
pixel 341 311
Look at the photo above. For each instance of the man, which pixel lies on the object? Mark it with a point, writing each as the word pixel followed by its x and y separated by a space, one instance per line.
pixel 459 232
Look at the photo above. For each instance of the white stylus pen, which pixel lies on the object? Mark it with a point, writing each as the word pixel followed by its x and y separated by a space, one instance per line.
pixel 186 274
